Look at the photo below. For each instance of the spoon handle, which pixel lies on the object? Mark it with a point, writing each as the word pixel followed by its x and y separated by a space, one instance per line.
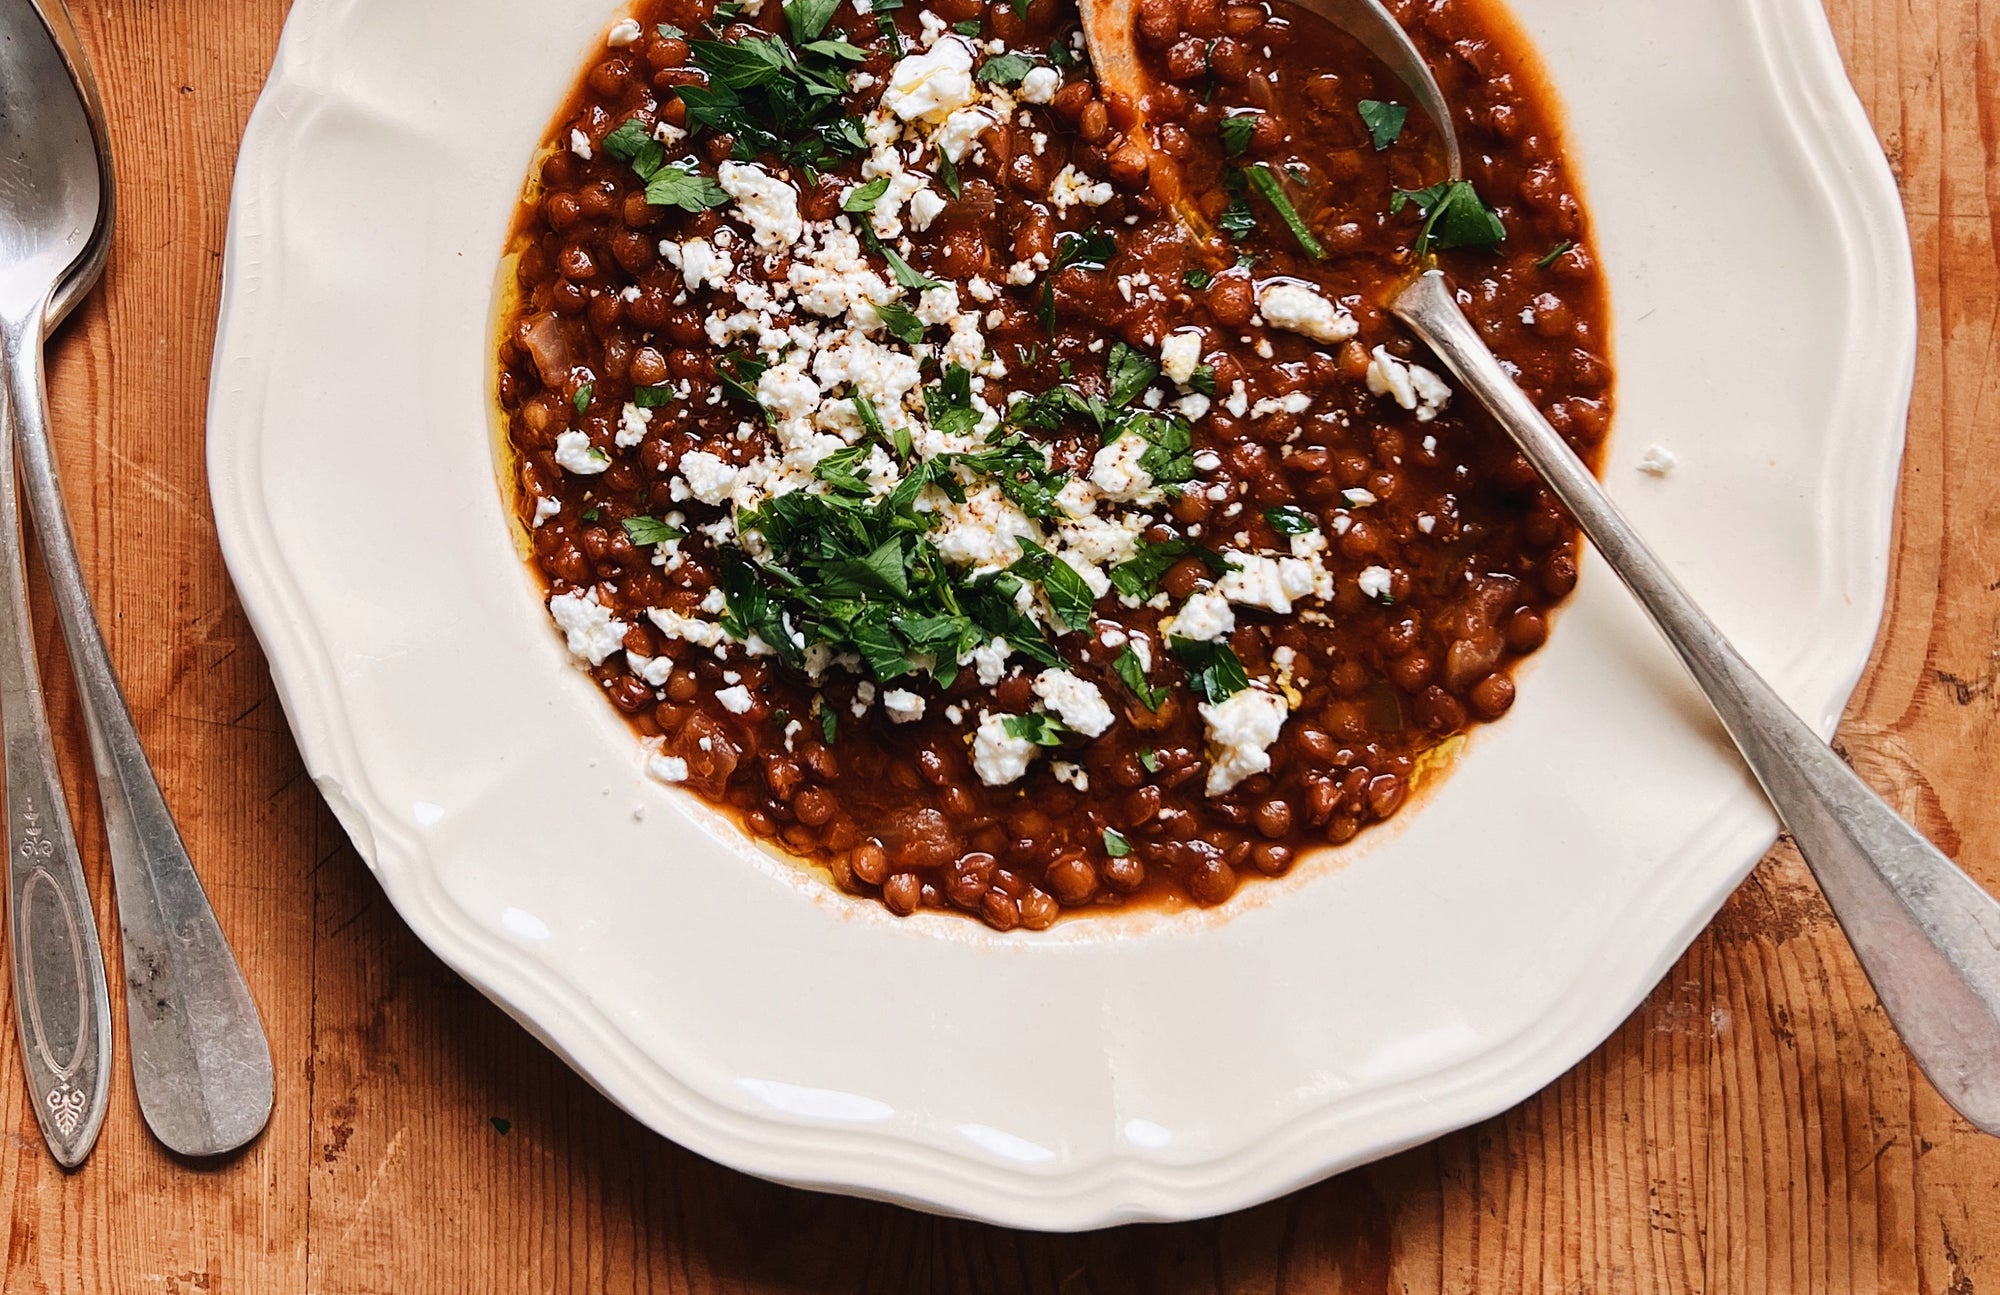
pixel 1926 933
pixel 62 1006
pixel 201 1064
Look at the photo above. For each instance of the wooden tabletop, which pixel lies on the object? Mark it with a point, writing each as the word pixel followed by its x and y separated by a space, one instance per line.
pixel 1754 1127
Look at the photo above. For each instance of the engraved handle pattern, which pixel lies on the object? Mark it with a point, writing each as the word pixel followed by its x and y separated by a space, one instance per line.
pixel 62 1006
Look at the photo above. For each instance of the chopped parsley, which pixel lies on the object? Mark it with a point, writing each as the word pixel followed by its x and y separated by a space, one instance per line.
pixel 1197 279
pixel 1092 249
pixel 1132 673
pixel 1384 121
pixel 1265 181
pixel 1169 455
pixel 771 97
pixel 654 397
pixel 1214 673
pixel 581 400
pixel 1068 595
pixel 1554 254
pixel 1290 521
pixel 862 198
pixel 1454 216
pixel 829 723
pixel 1006 69
pixel 902 322
pixel 1236 131
pixel 1139 577
pixel 1149 760
pixel 680 185
pixel 651 530
pixel 1115 843
pixel 1036 726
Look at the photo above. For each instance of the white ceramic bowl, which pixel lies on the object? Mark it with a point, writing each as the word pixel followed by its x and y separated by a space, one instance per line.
pixel 1138 1068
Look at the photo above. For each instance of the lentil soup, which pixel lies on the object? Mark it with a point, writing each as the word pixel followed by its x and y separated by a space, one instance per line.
pixel 1015 509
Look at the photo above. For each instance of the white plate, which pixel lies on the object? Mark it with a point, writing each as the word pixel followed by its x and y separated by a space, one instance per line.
pixel 1145 1068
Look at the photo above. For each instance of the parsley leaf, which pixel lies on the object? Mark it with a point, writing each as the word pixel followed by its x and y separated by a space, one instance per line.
pixel 582 397
pixel 679 186
pixel 654 397
pixel 1454 216
pixel 1139 577
pixel 1214 673
pixel 1203 379
pixel 906 275
pixel 1037 727
pixel 1236 220
pixel 1068 595
pixel 1265 181
pixel 1149 760
pixel 1290 521
pixel 902 322
pixel 1384 121
pixel 863 197
pixel 1130 372
pixel 829 723
pixel 947 174
pixel 1554 254
pixel 1197 279
pixel 1006 69
pixel 969 28
pixel 651 530
pixel 808 18
pixel 1092 249
pixel 1115 843
pixel 1236 131
pixel 635 146
pixel 1132 672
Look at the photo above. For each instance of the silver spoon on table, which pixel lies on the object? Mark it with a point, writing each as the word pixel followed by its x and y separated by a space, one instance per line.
pixel 1926 933
pixel 200 1062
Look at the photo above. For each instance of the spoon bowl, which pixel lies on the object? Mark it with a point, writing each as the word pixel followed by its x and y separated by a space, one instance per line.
pixel 1927 934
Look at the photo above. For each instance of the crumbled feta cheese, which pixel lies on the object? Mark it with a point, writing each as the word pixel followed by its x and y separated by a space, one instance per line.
pixel 1241 729
pixel 700 263
pixel 1238 403
pixel 989 660
pixel 1180 355
pixel 626 31
pixel 632 424
pixel 1358 498
pixel 668 768
pixel 1116 469
pixel 1204 617
pixel 1073 774
pixel 689 629
pixel 1041 84
pixel 579 144
pixel 1374 582
pixel 961 130
pixel 767 204
pixel 708 477
pixel 1658 461
pixel 1300 309
pixel 998 757
pixel 546 508
pixel 1076 701
pixel 593 633
pixel 1272 583
pixel 984 531
pixel 1426 523
pixel 1411 385
pixel 930 86
pixel 903 706
pixel 1073 188
pixel 575 453
pixel 655 670
pixel 735 699
pixel 925 207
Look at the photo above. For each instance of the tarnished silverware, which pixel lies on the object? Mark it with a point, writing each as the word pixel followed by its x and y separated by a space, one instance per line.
pixel 200 1062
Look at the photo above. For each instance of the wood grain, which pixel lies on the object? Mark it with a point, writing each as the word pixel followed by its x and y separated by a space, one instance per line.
pixel 1754 1127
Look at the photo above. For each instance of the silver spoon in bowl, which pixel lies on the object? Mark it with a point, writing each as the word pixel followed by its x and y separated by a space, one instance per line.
pixel 1926 933
pixel 201 1064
